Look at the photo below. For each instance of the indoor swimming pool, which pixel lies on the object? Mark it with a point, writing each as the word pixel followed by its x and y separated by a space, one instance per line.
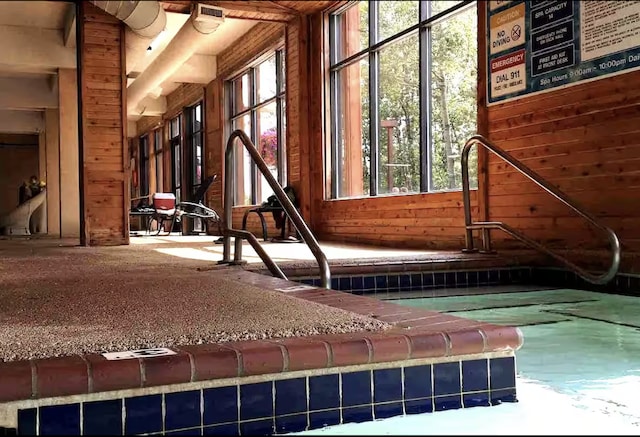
pixel 578 370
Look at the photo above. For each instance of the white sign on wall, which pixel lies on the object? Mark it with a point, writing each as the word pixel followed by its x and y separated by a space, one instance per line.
pixel 139 353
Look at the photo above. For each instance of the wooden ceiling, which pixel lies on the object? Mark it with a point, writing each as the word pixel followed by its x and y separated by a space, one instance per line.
pixel 263 10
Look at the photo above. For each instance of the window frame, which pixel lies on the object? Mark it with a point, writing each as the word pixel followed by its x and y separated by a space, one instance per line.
pixel 159 157
pixel 143 166
pixel 175 149
pixel 253 109
pixel 191 135
pixel 423 28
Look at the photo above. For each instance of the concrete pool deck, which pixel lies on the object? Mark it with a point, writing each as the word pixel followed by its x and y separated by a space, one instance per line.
pixel 66 305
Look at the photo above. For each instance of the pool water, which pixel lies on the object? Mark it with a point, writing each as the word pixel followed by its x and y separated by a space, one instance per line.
pixel 578 370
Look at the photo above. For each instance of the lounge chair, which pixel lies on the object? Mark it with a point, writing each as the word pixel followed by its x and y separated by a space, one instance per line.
pixel 196 209
pixel 17 221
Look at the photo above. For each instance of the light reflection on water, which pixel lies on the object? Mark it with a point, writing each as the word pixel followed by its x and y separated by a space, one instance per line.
pixel 575 375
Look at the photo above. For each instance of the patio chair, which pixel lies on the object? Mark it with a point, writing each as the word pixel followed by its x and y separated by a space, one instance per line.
pixel 281 218
pixel 143 210
pixel 164 210
pixel 17 221
pixel 196 209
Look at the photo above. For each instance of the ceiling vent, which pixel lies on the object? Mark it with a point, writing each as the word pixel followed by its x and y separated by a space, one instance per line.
pixel 208 15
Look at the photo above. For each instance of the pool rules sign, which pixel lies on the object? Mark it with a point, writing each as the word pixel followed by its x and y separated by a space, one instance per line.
pixel 536 46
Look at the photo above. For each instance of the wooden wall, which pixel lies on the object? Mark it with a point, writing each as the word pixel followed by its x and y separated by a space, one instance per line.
pixel 105 162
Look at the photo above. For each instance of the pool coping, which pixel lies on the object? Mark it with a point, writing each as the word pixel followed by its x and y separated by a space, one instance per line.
pixel 416 334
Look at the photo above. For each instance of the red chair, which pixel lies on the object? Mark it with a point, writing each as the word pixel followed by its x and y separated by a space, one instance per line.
pixel 164 209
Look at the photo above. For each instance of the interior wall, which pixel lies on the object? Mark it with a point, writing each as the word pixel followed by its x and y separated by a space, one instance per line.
pixel 584 140
pixel 17 163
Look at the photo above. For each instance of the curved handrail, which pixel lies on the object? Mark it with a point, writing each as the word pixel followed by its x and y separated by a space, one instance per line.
pixel 289 208
pixel 614 242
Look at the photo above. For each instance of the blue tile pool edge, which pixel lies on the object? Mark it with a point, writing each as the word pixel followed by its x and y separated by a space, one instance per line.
pixel 265 407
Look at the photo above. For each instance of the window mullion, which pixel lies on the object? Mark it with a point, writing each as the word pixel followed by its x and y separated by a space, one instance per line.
pixel 374 70
pixel 279 121
pixel 254 132
pixel 426 176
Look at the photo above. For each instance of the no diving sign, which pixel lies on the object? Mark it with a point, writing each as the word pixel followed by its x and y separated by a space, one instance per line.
pixel 139 353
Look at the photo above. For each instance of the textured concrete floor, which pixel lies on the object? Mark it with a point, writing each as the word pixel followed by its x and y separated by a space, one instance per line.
pixel 65 300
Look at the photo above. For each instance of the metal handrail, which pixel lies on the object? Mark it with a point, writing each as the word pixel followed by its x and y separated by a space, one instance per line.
pixel 289 208
pixel 486 226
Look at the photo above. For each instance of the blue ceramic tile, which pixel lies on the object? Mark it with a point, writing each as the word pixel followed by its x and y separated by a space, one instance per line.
pixel 226 429
pixel 446 378
pixel 417 382
pixel 344 283
pixel 7 432
pixel 320 419
pixel 335 284
pixel 291 396
pixel 182 410
pixel 439 279
pixel 60 420
pixel 27 421
pixel 505 395
pixel 256 400
pixel 475 375
pixel 450 279
pixel 317 282
pixel 416 281
pixel 381 283
pixel 504 276
pixel 369 283
pixel 475 400
pixel 324 392
pixel 306 281
pixel 357 414
pixel 418 406
pixel 257 427
pixel 143 414
pixel 193 431
pixel 461 279
pixel 220 405
pixel 427 280
pixel 293 423
pixel 356 388
pixel 393 283
pixel 494 276
pixel 472 278
pixel 387 385
pixel 405 282
pixel 102 417
pixel 483 277
pixel 383 411
pixel 502 372
pixel 452 402
pixel 525 275
pixel 357 283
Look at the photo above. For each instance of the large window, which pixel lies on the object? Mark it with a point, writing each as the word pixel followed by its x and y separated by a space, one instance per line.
pixel 144 165
pixel 258 108
pixel 159 160
pixel 403 96
pixel 175 139
pixel 195 140
pixel 194 127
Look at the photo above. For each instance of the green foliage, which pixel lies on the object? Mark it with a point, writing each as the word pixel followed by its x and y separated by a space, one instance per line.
pixel 453 97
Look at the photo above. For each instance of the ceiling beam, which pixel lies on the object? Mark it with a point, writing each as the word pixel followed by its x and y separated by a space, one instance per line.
pixel 69 36
pixel 28 48
pixel 259 7
pixel 27 93
pixel 21 122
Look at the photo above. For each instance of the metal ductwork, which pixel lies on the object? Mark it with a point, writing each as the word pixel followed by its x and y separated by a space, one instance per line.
pixel 146 18
pixel 203 21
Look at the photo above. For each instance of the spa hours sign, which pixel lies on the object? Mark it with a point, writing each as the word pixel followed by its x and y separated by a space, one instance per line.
pixel 535 46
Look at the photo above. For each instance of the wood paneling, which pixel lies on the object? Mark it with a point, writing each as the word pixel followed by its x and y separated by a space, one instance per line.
pixel 582 139
pixel 105 162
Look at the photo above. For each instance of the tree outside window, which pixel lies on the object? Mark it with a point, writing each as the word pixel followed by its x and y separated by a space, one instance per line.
pixel 403 96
